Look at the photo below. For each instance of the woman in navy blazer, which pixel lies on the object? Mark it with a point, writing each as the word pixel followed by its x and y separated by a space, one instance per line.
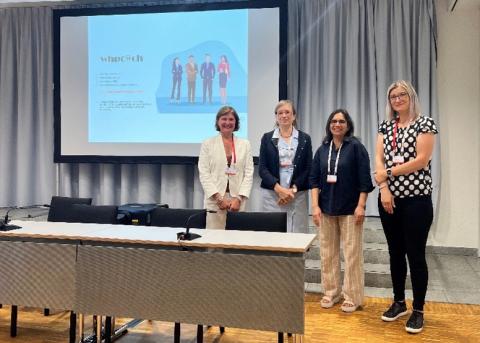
pixel 285 161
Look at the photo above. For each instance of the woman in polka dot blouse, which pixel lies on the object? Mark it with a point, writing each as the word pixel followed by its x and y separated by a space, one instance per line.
pixel 402 162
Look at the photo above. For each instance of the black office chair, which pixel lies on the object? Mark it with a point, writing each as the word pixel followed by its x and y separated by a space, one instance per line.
pixel 81 213
pixel 60 211
pixel 178 217
pixel 60 208
pixel 257 221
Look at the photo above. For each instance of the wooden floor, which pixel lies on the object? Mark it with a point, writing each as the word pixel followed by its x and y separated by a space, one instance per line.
pixel 444 323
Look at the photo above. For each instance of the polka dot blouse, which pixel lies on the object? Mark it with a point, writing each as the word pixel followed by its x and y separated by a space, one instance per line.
pixel 419 182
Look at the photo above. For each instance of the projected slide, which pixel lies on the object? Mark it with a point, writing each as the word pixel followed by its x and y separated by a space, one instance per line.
pixel 153 76
pixel 143 84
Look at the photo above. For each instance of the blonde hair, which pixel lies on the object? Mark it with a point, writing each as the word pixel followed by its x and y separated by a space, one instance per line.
pixel 414 102
pixel 287 102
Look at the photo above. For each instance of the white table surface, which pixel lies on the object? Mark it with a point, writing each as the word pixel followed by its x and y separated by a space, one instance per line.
pixel 252 240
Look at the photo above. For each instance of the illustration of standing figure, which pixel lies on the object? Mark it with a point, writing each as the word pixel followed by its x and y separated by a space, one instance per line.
pixel 207 73
pixel 223 75
pixel 192 70
pixel 177 79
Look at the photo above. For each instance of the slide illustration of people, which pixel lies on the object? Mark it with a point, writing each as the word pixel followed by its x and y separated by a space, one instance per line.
pixel 207 73
pixel 192 70
pixel 177 79
pixel 223 75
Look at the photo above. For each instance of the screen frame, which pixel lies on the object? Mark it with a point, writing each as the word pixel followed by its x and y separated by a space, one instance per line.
pixel 59 13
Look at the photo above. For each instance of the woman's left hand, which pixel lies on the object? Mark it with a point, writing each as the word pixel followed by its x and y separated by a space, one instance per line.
pixel 235 205
pixel 359 214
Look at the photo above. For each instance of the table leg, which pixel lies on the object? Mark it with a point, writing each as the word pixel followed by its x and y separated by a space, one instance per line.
pixel 108 329
pixel 176 333
pixel 199 333
pixel 13 321
pixel 73 327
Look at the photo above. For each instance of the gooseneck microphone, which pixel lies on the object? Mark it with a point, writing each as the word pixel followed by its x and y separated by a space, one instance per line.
pixel 4 223
pixel 187 236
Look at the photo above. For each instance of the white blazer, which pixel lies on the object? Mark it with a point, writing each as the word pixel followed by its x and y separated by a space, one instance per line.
pixel 213 161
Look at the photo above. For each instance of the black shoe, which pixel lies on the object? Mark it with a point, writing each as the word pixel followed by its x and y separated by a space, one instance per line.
pixel 396 310
pixel 415 322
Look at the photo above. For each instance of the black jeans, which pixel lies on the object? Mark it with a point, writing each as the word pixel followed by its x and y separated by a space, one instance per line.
pixel 406 231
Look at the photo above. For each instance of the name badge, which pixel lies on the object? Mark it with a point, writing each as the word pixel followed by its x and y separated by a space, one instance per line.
pixel 331 178
pixel 230 170
pixel 398 159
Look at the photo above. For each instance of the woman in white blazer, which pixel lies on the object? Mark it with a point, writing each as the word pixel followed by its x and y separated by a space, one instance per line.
pixel 225 168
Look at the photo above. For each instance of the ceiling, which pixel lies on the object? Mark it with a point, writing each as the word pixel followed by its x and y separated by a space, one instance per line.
pixel 461 5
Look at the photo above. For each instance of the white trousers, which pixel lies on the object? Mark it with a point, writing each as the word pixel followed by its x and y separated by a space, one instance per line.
pixel 217 221
pixel 333 231
pixel 297 210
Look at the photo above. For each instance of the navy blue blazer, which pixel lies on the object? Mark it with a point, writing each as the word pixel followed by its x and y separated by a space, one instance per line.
pixel 269 165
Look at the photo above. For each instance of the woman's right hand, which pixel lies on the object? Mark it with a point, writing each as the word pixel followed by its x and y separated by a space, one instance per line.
pixel 285 195
pixel 387 200
pixel 222 203
pixel 316 215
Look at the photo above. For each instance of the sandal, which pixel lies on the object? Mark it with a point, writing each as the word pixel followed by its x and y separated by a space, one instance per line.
pixel 348 306
pixel 328 302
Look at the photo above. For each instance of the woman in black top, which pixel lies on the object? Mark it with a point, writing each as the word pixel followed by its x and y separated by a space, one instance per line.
pixel 340 181
pixel 404 149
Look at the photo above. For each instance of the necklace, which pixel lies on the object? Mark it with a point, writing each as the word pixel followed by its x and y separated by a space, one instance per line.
pixel 290 135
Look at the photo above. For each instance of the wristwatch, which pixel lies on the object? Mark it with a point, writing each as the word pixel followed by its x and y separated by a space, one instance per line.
pixel 389 172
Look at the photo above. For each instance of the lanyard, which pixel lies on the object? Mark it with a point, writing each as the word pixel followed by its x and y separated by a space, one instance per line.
pixel 330 157
pixel 394 141
pixel 234 155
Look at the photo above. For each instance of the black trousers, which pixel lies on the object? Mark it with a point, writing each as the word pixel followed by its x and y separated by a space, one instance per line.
pixel 176 83
pixel 406 231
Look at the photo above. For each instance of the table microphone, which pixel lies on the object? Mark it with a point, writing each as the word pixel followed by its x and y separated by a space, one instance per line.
pixel 187 236
pixel 4 223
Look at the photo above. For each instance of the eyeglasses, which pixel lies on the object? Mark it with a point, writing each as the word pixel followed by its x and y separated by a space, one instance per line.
pixel 400 96
pixel 340 121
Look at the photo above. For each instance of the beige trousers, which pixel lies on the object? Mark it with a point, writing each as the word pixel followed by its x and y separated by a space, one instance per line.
pixel 217 221
pixel 333 231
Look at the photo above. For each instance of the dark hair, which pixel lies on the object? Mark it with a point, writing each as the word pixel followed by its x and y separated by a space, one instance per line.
pixel 173 62
pixel 225 58
pixel 189 56
pixel 224 111
pixel 328 134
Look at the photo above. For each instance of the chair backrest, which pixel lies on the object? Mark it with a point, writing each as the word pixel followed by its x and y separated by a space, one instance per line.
pixel 257 221
pixel 177 217
pixel 60 208
pixel 81 213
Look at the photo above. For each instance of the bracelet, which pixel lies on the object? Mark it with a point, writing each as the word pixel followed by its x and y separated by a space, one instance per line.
pixel 382 187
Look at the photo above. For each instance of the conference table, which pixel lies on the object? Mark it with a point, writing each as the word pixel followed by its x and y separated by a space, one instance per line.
pixel 240 279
